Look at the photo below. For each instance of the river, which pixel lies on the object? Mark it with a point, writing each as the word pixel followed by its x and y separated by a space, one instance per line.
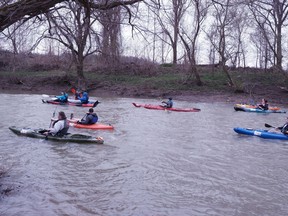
pixel 152 163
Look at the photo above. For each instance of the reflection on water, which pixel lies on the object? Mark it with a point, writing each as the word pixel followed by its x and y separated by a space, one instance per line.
pixel 153 163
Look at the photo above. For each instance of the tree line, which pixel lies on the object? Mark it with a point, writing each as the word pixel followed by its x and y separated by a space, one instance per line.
pixel 230 29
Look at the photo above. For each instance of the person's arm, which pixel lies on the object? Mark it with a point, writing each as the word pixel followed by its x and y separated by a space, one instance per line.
pixel 85 119
pixel 57 127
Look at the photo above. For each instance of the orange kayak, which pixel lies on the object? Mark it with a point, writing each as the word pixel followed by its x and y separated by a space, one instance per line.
pixel 96 126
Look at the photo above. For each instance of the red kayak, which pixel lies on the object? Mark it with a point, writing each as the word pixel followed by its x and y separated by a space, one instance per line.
pixel 96 126
pixel 90 104
pixel 158 107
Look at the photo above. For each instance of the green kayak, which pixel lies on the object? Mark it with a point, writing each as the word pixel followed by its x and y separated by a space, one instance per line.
pixel 35 133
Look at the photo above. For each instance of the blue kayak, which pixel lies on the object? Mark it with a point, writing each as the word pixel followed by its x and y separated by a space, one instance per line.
pixel 260 133
pixel 244 109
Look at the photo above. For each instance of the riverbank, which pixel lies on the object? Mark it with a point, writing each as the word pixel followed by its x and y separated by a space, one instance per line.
pixel 276 95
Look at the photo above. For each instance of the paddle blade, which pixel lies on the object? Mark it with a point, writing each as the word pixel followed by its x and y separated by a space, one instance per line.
pixel 268 126
pixel 96 103
pixel 73 90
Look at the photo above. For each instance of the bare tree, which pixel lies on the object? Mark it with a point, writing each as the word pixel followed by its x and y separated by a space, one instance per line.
pixel 240 26
pixel 111 35
pixel 26 9
pixel 270 16
pixel 21 39
pixel 263 51
pixel 74 31
pixel 169 15
pixel 220 32
pixel 189 37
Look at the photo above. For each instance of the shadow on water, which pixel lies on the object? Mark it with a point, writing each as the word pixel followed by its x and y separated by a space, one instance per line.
pixel 153 163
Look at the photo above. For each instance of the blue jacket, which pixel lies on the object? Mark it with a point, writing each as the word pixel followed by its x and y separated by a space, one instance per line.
pixel 63 97
pixel 84 99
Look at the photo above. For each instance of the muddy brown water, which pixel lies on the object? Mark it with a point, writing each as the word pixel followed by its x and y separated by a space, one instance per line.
pixel 153 163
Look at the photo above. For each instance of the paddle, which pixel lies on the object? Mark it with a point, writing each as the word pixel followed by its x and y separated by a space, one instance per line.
pixel 47 96
pixel 53 116
pixel 269 126
pixel 96 103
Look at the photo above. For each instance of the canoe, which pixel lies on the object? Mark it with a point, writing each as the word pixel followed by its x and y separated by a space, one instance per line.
pixel 158 107
pixel 96 126
pixel 78 138
pixel 89 104
pixel 265 134
pixel 253 108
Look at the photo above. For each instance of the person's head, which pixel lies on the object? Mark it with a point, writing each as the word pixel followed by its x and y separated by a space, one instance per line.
pixel 169 98
pixel 61 115
pixel 264 100
pixel 91 110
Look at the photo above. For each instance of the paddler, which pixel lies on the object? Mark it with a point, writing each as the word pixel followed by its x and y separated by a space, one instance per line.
pixel 89 118
pixel 283 129
pixel 168 104
pixel 62 98
pixel 59 127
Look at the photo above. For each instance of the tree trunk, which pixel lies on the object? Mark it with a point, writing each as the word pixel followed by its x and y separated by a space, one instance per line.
pixel 230 80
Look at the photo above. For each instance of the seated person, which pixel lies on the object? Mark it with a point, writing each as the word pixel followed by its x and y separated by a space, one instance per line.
pixel 89 118
pixel 62 98
pixel 59 127
pixel 84 98
pixel 168 104
pixel 264 105
pixel 283 129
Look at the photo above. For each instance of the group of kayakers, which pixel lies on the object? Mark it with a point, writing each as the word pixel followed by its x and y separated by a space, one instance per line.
pixel 60 126
pixel 81 97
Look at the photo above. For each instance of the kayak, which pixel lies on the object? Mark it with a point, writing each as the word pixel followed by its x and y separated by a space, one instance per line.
pixel 158 107
pixel 35 133
pixel 260 133
pixel 96 126
pixel 253 108
pixel 89 104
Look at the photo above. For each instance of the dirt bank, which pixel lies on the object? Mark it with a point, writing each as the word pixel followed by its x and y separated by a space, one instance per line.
pixel 53 86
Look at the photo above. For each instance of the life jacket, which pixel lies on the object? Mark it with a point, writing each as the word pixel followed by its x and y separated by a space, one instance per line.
pixel 85 98
pixel 284 128
pixel 63 131
pixel 169 104
pixel 94 119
